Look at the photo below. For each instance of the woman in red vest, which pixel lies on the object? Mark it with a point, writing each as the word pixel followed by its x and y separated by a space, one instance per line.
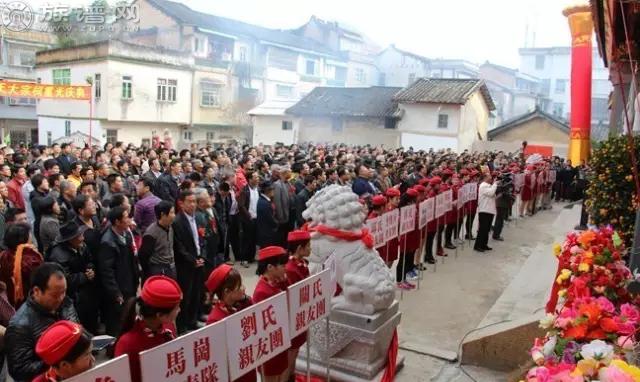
pixel 391 248
pixel 299 248
pixel 225 283
pixel 527 190
pixel 432 226
pixel 408 244
pixel 159 304
pixel 272 271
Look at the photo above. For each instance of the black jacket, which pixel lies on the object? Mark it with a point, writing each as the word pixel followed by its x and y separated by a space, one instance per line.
pixel 79 288
pixel 64 162
pixel 301 204
pixel 184 248
pixel 66 211
pixel 267 227
pixel 117 266
pixel 23 332
pixel 166 188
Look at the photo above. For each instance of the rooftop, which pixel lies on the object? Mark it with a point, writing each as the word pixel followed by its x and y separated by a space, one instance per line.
pixel 521 119
pixel 376 101
pixel 444 90
pixel 188 16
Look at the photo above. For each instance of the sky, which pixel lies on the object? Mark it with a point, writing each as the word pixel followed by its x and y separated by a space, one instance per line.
pixel 476 30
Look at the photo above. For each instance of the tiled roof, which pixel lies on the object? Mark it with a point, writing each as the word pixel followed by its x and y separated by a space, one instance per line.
pixel 375 101
pixel 444 90
pixel 524 118
pixel 186 15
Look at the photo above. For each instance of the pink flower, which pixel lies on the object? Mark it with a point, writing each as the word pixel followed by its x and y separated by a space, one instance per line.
pixel 566 317
pixel 630 313
pixel 605 305
pixel 626 342
pixel 613 374
pixel 538 374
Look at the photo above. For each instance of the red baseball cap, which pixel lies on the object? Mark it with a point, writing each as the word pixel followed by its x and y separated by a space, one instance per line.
pixel 161 292
pixel 379 200
pixel 57 340
pixel 435 180
pixel 420 188
pixel 216 278
pixel 271 251
pixel 298 235
pixel 412 192
pixel 423 181
pixel 392 192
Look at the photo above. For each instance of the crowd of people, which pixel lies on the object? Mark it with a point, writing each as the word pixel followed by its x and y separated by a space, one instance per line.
pixel 125 241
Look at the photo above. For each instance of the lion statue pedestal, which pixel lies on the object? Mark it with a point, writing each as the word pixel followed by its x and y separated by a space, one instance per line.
pixel 364 316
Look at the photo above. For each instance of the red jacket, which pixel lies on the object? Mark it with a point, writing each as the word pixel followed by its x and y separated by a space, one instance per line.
pixel 141 338
pixel 15 193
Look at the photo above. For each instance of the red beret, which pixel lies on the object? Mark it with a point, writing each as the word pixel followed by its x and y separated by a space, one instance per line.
pixel 379 200
pixel 530 167
pixel 423 181
pixel 272 251
pixel 392 192
pixel 447 171
pixel 216 278
pixel 474 172
pixel 420 188
pixel 161 292
pixel 435 180
pixel 56 342
pixel 444 187
pixel 412 192
pixel 464 171
pixel 298 235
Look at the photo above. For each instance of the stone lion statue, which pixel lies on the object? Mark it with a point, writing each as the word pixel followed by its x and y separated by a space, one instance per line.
pixel 336 221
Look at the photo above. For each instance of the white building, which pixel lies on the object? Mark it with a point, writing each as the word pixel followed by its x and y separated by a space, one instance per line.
pixel 444 113
pixel 136 91
pixel 356 48
pixel 401 68
pixel 271 124
pixel 553 67
pixel 453 68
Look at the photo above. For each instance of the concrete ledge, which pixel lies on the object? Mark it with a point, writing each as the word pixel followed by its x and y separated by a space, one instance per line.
pixel 503 347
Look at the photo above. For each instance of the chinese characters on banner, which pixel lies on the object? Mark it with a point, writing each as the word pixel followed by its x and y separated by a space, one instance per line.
pixel 198 356
pixel 464 193
pixel 440 207
pixel 116 370
pixel 407 219
pixel 376 227
pixel 425 214
pixel 552 176
pixel 392 220
pixel 309 301
pixel 448 199
pixel 473 191
pixel 518 181
pixel 257 334
pixel 34 90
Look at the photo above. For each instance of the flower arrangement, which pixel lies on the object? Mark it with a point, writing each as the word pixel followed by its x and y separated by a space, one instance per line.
pixel 591 332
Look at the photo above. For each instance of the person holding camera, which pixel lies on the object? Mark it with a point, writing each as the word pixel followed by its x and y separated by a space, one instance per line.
pixel 504 201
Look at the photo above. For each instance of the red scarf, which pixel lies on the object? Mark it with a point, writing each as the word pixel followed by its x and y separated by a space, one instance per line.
pixel 364 235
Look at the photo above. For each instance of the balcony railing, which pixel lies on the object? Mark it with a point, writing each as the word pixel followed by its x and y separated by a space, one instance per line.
pixel 213 63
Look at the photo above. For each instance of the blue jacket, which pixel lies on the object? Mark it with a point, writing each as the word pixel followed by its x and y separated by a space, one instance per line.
pixel 361 186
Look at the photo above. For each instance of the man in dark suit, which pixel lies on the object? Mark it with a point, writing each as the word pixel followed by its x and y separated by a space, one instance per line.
pixel 304 196
pixel 64 159
pixel 267 227
pixel 155 171
pixel 167 185
pixel 189 261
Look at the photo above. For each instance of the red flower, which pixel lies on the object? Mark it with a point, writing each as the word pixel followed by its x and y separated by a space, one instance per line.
pixel 201 232
pixel 609 325
pixel 576 332
pixel 596 334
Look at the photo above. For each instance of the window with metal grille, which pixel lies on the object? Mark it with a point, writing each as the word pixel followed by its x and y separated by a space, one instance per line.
pixel 443 121
pixel 210 94
pixel 67 128
pixel 61 76
pixel 287 125
pixel 97 84
pixel 127 86
pixel 112 136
